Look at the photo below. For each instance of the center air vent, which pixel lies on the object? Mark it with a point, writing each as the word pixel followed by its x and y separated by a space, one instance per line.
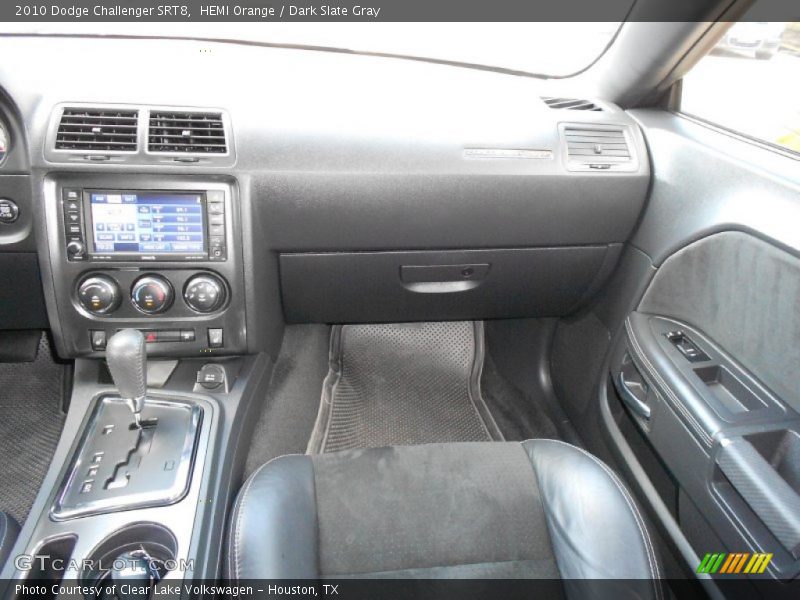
pixel 570 104
pixel 82 129
pixel 186 132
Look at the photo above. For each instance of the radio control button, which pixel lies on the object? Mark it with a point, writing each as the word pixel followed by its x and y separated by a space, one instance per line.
pixel 216 230
pixel 216 208
pixel 99 294
pixel 75 250
pixel 216 220
pixel 152 294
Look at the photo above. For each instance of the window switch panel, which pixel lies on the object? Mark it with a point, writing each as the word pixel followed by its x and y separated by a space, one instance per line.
pixel 687 347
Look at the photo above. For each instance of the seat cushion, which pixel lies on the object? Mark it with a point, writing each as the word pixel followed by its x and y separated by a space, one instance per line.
pixel 9 530
pixel 537 509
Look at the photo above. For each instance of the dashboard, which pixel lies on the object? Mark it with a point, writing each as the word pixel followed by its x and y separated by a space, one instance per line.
pixel 209 193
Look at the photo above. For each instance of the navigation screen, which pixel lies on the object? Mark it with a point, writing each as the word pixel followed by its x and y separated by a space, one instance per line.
pixel 147 222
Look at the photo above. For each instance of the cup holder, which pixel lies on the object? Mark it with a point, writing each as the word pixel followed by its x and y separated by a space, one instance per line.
pixel 129 548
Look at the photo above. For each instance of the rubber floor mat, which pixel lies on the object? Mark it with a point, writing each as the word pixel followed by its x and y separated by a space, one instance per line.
pixel 403 384
pixel 30 427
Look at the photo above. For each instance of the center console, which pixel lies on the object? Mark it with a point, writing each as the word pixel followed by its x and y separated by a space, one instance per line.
pixel 158 254
pixel 141 496
pixel 146 477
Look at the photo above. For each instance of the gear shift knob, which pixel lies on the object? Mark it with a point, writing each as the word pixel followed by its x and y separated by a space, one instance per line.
pixel 126 354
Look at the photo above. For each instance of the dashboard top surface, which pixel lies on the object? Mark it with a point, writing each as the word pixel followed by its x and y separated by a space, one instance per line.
pixel 302 110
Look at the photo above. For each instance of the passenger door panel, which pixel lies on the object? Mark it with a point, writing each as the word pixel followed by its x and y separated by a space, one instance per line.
pixel 706 365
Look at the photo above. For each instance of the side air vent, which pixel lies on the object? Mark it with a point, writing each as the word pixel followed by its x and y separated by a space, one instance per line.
pixel 186 132
pixel 570 104
pixel 590 147
pixel 82 129
pixel 606 145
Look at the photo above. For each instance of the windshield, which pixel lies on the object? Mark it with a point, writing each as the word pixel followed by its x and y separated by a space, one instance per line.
pixel 548 49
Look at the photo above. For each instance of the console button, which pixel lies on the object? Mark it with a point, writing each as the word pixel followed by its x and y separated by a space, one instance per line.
pixel 187 335
pixel 215 338
pixel 98 339
pixel 9 211
pixel 152 294
pixel 204 293
pixel 211 376
pixel 216 208
pixel 169 335
pixel 99 294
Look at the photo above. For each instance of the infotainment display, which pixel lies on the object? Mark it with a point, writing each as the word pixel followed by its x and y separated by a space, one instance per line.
pixel 147 222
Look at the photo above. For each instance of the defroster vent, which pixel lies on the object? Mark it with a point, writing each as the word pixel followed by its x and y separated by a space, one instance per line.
pixel 570 104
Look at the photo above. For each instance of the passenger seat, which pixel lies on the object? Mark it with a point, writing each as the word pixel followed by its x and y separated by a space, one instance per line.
pixel 536 509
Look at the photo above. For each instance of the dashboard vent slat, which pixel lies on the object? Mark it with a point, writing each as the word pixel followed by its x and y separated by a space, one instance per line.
pixel 190 133
pixel 570 104
pixel 106 130
pixel 597 145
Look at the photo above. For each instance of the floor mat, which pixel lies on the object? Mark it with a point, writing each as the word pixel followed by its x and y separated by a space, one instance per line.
pixel 400 384
pixel 30 426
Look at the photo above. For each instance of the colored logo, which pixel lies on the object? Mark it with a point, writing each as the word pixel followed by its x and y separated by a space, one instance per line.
pixel 735 562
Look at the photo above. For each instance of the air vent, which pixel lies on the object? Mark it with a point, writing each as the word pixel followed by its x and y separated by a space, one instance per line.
pixel 186 132
pixel 570 104
pixel 606 145
pixel 107 130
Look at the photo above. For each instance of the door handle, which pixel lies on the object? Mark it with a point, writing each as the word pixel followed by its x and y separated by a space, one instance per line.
pixel 633 389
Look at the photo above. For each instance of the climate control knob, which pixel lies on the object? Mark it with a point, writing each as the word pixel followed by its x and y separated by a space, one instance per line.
pixel 152 294
pixel 204 293
pixel 99 294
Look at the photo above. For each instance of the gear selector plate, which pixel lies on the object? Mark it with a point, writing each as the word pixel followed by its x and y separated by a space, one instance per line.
pixel 119 466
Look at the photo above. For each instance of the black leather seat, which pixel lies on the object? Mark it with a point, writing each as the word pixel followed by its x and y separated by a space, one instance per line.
pixel 9 530
pixel 537 509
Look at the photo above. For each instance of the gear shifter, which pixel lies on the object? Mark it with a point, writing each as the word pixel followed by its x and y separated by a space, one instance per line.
pixel 126 354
